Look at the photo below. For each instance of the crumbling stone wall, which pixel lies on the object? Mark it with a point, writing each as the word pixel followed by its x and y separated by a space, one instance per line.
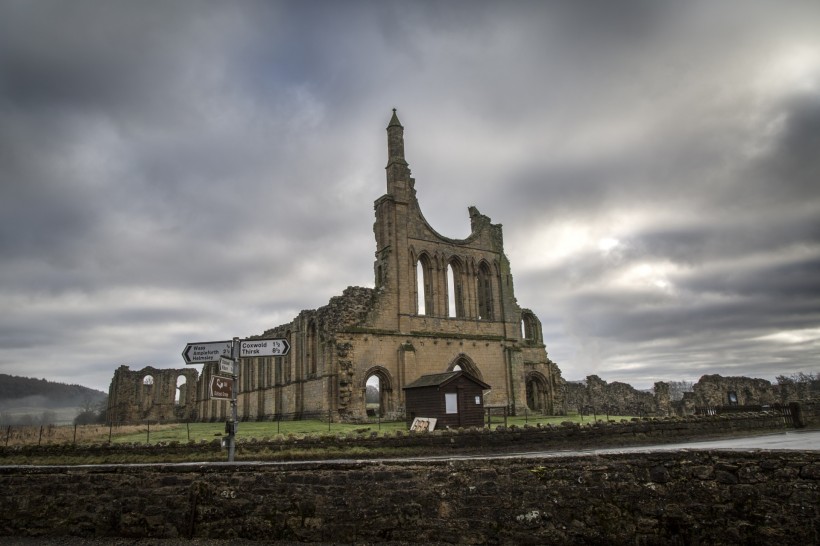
pixel 715 390
pixel 150 394
pixel 616 398
pixel 663 399
pixel 692 497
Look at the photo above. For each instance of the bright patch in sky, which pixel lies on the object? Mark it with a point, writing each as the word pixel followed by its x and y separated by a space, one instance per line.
pixel 648 275
pixel 607 243
pixel 796 68
pixel 793 336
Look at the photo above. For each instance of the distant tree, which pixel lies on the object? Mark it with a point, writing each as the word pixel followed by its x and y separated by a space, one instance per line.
pixel 92 412
pixel 677 388
pixel 371 395
pixel 797 378
pixel 87 403
pixel 87 418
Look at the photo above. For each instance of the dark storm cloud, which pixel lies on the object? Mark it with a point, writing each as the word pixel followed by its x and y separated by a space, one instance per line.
pixel 172 170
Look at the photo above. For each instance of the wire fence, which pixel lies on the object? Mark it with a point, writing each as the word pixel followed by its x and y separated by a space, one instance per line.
pixel 268 426
pixel 154 431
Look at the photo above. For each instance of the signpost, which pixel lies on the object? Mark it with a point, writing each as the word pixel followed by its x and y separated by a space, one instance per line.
pixel 264 347
pixel 226 365
pixel 208 351
pixel 227 354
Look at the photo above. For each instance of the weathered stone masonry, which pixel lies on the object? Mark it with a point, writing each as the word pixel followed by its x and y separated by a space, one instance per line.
pixel 406 326
pixel 152 394
pixel 646 498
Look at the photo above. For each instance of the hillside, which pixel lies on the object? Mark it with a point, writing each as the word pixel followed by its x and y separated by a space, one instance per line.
pixel 26 392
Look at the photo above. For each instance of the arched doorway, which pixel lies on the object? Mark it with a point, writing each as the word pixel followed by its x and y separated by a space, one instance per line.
pixel 538 396
pixel 378 392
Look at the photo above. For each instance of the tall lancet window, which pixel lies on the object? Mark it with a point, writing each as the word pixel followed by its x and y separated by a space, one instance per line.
pixel 485 293
pixel 455 297
pixel 451 292
pixel 424 290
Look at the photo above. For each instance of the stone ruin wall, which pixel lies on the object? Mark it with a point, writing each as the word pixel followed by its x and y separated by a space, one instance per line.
pixel 715 390
pixel 594 395
pixel 150 394
pixel 132 400
pixel 338 364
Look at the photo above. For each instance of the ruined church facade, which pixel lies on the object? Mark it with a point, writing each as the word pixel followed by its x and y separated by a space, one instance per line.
pixel 438 305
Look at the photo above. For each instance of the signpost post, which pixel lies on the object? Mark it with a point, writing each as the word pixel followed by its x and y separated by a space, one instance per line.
pixel 227 354
pixel 232 426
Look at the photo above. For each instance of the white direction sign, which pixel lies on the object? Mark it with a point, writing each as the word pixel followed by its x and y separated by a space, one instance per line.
pixel 264 347
pixel 226 365
pixel 208 351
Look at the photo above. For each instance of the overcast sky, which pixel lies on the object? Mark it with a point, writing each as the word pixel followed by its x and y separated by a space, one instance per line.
pixel 173 172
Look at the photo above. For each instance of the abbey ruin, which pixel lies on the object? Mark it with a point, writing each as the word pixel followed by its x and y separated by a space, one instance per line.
pixel 439 304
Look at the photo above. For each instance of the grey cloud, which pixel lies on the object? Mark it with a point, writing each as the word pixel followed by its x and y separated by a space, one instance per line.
pixel 233 152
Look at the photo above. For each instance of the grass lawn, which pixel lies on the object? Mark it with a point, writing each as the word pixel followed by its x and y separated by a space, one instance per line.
pixel 260 430
pixel 208 432
pixel 197 432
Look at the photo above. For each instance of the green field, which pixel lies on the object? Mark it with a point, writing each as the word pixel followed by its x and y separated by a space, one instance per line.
pixel 183 433
pixel 153 433
pixel 197 432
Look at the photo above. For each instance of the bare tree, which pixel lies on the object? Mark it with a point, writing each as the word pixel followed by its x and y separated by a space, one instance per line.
pixel 677 388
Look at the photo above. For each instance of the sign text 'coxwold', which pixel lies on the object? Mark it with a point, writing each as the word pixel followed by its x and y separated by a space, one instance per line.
pixel 208 351
pixel 264 347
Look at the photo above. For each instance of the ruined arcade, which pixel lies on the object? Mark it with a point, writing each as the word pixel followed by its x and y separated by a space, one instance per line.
pixel 152 394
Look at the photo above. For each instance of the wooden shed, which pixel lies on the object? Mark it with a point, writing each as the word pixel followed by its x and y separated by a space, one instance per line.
pixel 454 399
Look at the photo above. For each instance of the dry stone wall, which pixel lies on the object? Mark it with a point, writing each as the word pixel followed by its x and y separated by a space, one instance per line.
pixel 648 498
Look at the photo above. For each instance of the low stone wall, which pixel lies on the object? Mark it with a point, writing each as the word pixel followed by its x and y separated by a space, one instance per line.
pixel 657 498
pixel 551 437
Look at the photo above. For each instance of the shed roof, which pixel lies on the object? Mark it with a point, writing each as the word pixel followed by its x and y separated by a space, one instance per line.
pixel 441 379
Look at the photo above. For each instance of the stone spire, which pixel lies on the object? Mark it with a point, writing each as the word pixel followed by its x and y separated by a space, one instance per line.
pixel 395 141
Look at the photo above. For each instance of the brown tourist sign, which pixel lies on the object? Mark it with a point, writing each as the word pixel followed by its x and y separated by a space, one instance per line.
pixel 221 387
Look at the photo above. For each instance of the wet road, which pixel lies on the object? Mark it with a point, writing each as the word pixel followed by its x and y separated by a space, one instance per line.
pixel 792 440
